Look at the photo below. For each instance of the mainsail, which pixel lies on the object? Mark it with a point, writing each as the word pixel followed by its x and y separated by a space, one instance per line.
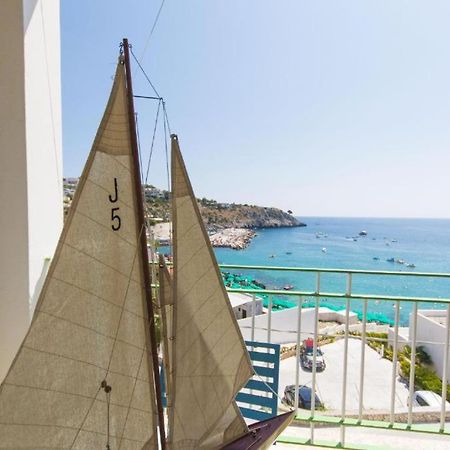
pixel 91 324
pixel 210 363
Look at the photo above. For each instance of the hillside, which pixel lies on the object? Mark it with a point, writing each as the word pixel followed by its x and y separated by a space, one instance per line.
pixel 215 215
pixel 224 215
pixel 246 216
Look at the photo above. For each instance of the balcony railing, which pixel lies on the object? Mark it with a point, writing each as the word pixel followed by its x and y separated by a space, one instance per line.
pixel 393 419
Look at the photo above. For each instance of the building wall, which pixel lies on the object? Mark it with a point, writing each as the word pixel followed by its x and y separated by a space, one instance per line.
pixel 431 335
pixel 43 135
pixel 30 161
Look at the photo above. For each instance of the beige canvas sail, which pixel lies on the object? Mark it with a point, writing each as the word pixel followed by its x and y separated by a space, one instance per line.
pixel 166 314
pixel 210 361
pixel 90 322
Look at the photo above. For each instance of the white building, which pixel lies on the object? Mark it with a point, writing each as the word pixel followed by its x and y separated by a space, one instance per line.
pixel 431 334
pixel 30 161
pixel 243 305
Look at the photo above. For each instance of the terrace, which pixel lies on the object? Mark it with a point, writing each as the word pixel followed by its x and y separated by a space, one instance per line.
pixel 365 395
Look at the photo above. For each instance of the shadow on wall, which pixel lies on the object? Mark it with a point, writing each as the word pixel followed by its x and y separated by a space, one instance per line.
pixel 39 284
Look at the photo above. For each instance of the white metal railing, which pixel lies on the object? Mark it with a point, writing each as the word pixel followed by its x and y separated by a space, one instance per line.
pixel 348 296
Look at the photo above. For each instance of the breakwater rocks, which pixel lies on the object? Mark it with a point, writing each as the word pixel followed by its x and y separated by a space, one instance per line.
pixel 235 238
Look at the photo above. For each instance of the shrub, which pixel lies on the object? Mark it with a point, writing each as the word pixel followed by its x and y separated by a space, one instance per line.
pixel 424 378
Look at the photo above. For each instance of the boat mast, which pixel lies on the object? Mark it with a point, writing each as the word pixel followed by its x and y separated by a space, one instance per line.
pixel 143 243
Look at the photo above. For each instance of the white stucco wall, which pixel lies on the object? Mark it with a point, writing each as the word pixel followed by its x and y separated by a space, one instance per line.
pixel 431 335
pixel 43 136
pixel 31 214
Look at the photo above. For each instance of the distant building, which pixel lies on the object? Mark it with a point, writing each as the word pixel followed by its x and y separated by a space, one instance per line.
pixel 71 181
pixel 243 305
pixel 431 335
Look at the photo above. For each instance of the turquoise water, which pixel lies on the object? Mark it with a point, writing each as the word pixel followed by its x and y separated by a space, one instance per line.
pixel 423 242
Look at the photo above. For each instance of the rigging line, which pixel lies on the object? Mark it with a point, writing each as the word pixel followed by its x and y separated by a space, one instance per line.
pixel 268 385
pixel 167 152
pixel 153 141
pixel 147 97
pixel 168 179
pixel 145 74
pixel 166 116
pixel 152 29
pixel 85 417
pixel 139 146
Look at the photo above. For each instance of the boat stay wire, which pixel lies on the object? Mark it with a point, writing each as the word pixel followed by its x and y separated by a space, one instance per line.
pixel 155 22
pixel 145 74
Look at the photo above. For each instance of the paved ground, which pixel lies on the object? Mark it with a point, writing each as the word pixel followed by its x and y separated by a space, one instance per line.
pixel 377 390
pixel 377 379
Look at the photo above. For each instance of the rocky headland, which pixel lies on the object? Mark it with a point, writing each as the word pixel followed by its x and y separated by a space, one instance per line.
pixel 245 216
pixel 229 224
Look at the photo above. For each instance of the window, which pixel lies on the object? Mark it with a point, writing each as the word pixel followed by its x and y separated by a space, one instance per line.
pixel 421 401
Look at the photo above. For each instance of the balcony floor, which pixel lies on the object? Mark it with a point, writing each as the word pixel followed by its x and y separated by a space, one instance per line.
pixel 365 438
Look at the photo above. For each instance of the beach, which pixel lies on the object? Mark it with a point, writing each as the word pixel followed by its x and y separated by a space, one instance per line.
pixel 233 238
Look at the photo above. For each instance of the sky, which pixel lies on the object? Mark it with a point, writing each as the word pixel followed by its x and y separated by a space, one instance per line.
pixel 327 108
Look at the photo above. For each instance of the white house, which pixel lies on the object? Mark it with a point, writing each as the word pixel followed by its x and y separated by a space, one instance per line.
pixel 431 334
pixel 243 305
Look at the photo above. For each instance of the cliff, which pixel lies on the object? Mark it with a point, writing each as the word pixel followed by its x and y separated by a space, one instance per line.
pixel 233 215
pixel 217 216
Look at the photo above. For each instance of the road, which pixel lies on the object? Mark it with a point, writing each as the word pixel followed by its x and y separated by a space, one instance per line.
pixel 377 379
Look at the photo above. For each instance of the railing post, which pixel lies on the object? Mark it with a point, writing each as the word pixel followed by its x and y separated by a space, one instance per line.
pixel 445 370
pixel 394 361
pixel 314 368
pixel 253 315
pixel 297 353
pixel 363 360
pixel 412 368
pixel 269 320
pixel 344 375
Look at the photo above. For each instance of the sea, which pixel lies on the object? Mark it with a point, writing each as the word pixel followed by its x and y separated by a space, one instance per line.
pixel 336 243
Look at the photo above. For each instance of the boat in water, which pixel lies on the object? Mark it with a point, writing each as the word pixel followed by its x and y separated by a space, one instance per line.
pixel 87 375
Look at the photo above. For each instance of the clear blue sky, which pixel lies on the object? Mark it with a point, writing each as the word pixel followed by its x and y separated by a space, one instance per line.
pixel 331 108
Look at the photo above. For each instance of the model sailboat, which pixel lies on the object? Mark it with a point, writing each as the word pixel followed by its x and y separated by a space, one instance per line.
pixel 87 375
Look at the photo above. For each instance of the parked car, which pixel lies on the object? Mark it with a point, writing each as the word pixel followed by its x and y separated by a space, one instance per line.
pixel 307 358
pixel 427 398
pixel 304 397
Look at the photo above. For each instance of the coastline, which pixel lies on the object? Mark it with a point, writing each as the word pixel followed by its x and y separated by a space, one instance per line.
pixel 234 238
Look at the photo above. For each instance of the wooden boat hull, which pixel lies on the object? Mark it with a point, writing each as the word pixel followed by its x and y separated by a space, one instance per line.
pixel 261 434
